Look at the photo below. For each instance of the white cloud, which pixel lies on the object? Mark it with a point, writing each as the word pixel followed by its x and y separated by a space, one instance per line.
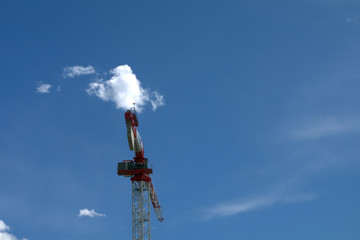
pixel 4 235
pixel 124 89
pixel 325 127
pixel 229 209
pixel 7 236
pixel 43 87
pixel 3 226
pixel 74 71
pixel 89 213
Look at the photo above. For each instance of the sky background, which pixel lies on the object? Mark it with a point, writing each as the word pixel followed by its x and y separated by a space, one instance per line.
pixel 258 138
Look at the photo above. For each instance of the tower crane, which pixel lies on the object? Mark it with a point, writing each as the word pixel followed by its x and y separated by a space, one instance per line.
pixel 143 191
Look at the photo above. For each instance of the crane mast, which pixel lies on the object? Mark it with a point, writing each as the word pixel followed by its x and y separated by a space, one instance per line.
pixel 143 191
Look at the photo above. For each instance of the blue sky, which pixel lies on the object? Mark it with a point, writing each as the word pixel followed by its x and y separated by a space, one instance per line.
pixel 257 138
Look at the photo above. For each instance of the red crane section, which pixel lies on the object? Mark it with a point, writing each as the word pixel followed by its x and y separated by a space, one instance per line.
pixel 155 203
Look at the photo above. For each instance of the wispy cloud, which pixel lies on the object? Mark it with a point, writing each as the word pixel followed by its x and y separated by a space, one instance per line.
pixel 74 71
pixel 331 3
pixel 326 127
pixel 229 209
pixel 286 192
pixel 157 100
pixel 43 87
pixel 89 213
pixel 4 232
pixel 351 20
pixel 124 89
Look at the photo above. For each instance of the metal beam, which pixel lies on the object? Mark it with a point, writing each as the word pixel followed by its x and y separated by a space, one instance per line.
pixel 141 210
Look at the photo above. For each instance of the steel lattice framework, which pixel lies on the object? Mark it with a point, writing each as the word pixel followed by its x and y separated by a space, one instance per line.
pixel 141 211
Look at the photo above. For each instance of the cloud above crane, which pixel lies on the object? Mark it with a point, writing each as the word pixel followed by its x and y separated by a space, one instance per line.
pixel 124 89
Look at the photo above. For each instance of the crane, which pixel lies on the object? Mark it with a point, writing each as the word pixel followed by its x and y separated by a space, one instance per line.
pixel 143 191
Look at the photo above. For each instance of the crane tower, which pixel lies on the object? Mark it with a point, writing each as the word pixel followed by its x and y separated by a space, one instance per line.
pixel 143 192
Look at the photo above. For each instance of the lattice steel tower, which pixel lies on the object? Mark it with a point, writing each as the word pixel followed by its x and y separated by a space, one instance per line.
pixel 143 191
